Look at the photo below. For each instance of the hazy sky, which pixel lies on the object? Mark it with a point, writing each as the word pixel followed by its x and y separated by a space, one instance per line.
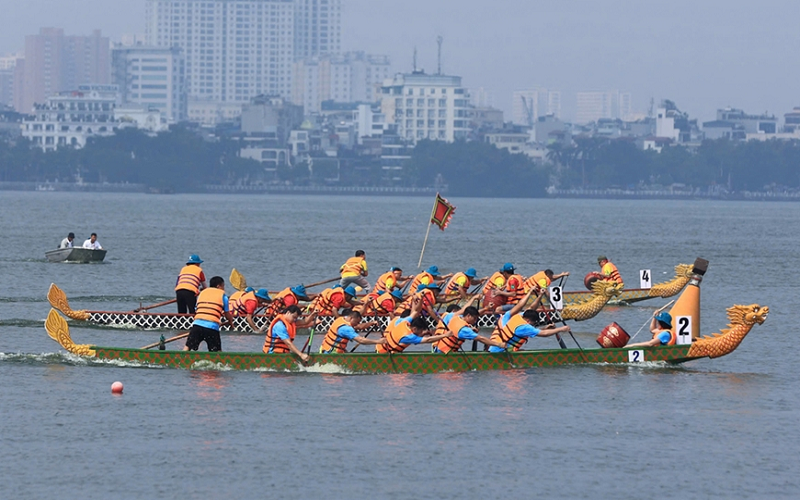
pixel 702 54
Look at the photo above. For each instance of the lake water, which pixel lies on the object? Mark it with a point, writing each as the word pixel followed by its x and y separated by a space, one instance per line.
pixel 724 428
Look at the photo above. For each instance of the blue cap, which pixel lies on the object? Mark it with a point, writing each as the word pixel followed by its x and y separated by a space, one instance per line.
pixel 508 267
pixel 262 293
pixel 431 286
pixel 300 291
pixel 249 289
pixel 350 290
pixel 194 259
pixel 433 271
pixel 665 318
pixel 471 272
pixel 337 285
pixel 397 294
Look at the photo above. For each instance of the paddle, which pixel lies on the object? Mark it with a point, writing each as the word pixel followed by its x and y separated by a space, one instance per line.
pixel 237 280
pixel 558 335
pixel 650 319
pixel 160 342
pixel 145 308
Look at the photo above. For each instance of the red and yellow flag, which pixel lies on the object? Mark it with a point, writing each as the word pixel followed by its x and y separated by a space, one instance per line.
pixel 442 212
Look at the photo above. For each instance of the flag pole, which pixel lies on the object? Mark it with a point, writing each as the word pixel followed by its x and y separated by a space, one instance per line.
pixel 428 232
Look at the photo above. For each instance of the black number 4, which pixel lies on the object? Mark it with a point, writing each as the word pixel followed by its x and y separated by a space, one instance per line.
pixel 645 276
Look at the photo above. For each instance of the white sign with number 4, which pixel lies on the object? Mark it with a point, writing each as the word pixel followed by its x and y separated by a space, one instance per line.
pixel 683 329
pixel 645 280
pixel 556 297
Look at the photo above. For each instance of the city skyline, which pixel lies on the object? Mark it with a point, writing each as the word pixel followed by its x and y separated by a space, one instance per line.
pixel 703 57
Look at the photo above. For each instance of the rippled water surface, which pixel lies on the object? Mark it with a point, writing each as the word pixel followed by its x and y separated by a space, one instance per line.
pixel 724 428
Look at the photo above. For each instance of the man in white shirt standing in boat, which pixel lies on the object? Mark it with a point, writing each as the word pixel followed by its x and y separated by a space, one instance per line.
pixel 92 243
pixel 67 242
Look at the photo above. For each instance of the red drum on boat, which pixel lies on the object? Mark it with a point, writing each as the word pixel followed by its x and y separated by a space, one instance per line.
pixel 613 336
pixel 590 278
pixel 493 300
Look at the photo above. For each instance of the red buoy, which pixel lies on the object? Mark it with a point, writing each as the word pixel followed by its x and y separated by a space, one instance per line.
pixel 116 388
pixel 613 336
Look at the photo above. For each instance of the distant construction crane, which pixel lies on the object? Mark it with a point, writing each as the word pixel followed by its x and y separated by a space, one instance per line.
pixel 528 110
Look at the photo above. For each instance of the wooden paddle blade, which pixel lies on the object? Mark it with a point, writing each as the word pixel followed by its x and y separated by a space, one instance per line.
pixel 237 280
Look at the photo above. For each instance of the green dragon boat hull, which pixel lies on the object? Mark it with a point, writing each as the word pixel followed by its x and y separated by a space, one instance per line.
pixel 408 362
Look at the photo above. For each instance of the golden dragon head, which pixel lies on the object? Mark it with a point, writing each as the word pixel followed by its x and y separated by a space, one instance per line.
pixel 684 270
pixel 748 315
pixel 606 288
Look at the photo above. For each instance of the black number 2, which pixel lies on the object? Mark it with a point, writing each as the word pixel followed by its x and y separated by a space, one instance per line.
pixel 683 326
pixel 636 356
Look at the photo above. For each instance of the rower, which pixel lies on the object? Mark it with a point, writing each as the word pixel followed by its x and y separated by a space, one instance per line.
pixel 543 279
pixel 212 305
pixel 513 290
pixel 426 295
pixel 355 271
pixel 282 331
pixel 290 296
pixel 343 330
pixel 495 284
pixel 427 277
pixel 386 303
pixel 330 300
pixel 461 324
pixel 388 281
pixel 514 329
pixel 608 270
pixel 661 328
pixel 457 286
pixel 188 285
pixel 238 294
pixel 247 304
pixel 405 331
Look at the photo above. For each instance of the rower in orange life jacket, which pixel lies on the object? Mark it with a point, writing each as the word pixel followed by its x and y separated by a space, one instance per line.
pixel 387 282
pixel 330 300
pixel 542 279
pixel 461 325
pixel 514 328
pixel 281 334
pixel 661 328
pixel 188 285
pixel 285 298
pixel 246 305
pixel 494 286
pixel 212 305
pixel 427 277
pixel 427 297
pixel 410 330
pixel 354 272
pixel 456 288
pixel 609 270
pixel 343 330
pixel 383 304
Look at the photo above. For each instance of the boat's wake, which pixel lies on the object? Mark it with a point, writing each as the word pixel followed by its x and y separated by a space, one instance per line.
pixel 62 358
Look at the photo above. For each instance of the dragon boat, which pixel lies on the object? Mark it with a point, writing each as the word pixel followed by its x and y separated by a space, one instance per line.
pixel 742 319
pixel 603 291
pixel 666 289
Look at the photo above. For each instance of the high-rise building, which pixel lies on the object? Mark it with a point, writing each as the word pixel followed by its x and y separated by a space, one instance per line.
pixel 234 50
pixel 317 28
pixel 529 105
pixel 151 77
pixel 351 77
pixel 426 106
pixel 54 63
pixel 595 105
pixel 7 65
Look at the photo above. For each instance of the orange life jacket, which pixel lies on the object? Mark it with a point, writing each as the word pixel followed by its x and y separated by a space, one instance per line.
pixel 377 304
pixel 275 345
pixel 332 341
pixel 611 273
pixel 189 278
pixel 210 305
pixel 453 287
pixel 418 279
pixel 395 332
pixel 238 306
pixel 427 299
pixel 672 337
pixel 518 282
pixel 380 285
pixel 324 305
pixel 535 282
pixel 490 285
pixel 506 333
pixel 452 343
pixel 233 298
pixel 277 306
pixel 353 267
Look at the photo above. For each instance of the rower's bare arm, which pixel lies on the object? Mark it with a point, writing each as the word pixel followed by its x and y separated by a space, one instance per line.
pixel 228 318
pixel 366 341
pixel 435 338
pixel 295 350
pixel 650 343
pixel 249 320
pixel 547 332
pixel 521 304
pixel 489 341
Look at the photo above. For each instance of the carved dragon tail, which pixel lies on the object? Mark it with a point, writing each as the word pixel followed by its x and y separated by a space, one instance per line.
pixel 58 299
pixel 58 330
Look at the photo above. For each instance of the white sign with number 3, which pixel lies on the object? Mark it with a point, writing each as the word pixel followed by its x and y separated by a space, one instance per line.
pixel 683 329
pixel 645 280
pixel 556 297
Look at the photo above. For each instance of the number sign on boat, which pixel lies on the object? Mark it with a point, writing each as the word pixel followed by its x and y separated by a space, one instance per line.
pixel 636 356
pixel 683 330
pixel 645 281
pixel 556 297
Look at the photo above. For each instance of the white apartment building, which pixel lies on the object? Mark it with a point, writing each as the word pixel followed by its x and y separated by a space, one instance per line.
pixel 234 50
pixel 609 104
pixel 369 122
pixel 151 78
pixel 528 105
pixel 350 77
pixel 317 28
pixel 69 118
pixel 424 106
